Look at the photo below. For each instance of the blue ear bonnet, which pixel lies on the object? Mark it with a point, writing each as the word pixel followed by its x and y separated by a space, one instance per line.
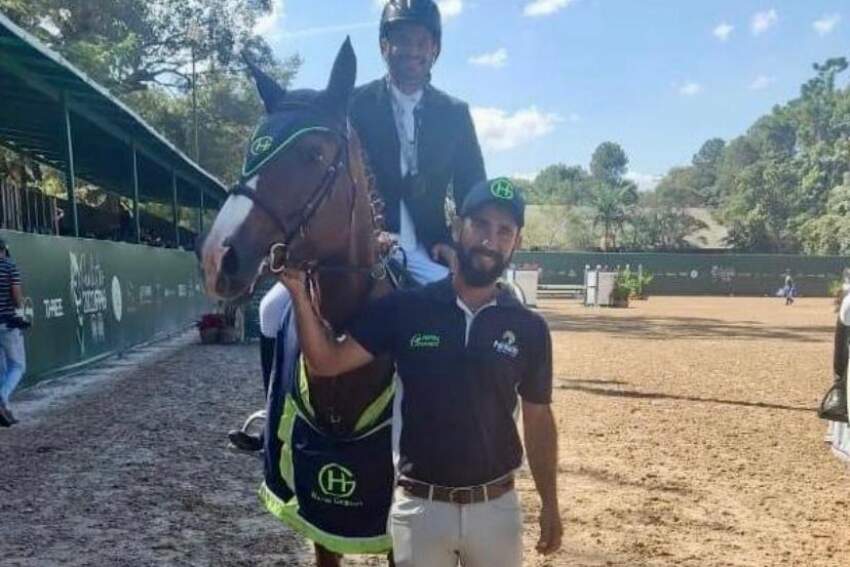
pixel 280 130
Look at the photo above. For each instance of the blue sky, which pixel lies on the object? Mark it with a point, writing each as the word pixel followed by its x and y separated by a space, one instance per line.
pixel 549 80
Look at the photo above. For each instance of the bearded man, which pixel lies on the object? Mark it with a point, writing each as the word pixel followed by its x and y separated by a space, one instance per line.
pixel 467 352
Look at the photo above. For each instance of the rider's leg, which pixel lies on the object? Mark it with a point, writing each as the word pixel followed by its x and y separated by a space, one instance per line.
pixel 267 345
pixel 422 267
pixel 272 308
pixel 834 405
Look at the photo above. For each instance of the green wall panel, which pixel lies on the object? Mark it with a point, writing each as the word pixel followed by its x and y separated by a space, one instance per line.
pixel 697 274
pixel 90 298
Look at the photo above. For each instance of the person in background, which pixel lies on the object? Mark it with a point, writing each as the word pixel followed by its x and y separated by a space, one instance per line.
pixel 11 337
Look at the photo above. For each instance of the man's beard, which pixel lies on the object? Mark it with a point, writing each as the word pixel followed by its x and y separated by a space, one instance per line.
pixel 480 277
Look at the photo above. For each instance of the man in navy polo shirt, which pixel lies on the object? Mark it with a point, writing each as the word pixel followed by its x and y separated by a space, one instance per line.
pixel 466 352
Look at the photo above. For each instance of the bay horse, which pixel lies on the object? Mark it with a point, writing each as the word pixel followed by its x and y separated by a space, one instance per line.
pixel 305 201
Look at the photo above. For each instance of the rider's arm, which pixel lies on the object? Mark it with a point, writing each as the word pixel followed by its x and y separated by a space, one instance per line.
pixel 468 161
pixel 325 354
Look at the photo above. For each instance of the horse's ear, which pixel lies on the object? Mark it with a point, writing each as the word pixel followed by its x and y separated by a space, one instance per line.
pixel 269 90
pixel 343 76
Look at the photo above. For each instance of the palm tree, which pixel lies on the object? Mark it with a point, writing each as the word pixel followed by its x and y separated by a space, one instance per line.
pixel 613 202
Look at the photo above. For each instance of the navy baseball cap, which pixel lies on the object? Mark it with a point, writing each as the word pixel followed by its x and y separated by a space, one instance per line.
pixel 499 191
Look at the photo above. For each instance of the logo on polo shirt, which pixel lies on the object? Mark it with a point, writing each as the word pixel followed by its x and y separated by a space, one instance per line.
pixel 507 345
pixel 422 340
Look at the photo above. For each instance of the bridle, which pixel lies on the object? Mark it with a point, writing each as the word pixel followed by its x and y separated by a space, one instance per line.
pixel 278 254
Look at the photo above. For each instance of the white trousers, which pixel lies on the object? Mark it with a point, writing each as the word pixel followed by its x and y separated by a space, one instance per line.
pixel 438 534
pixel 420 265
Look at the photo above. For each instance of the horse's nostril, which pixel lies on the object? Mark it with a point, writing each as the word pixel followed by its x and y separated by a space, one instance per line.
pixel 229 262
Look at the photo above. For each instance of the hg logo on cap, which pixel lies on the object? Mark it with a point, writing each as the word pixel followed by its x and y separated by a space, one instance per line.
pixel 502 189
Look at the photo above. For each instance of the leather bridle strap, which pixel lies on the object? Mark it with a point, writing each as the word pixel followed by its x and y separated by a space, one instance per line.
pixel 316 199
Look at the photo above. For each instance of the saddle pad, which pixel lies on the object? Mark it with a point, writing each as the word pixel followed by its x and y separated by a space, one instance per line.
pixel 336 492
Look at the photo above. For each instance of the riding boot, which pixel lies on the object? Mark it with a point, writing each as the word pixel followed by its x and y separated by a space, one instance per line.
pixel 267 347
pixel 834 404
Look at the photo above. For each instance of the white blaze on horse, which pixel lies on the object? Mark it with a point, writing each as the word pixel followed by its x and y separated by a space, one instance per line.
pixel 304 201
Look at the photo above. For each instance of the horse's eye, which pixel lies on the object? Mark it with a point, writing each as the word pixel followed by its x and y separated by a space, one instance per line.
pixel 313 155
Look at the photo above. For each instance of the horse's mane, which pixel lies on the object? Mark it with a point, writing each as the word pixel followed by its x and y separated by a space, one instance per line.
pixel 376 202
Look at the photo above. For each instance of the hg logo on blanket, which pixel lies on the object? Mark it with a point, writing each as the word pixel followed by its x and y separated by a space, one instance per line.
pixel 337 481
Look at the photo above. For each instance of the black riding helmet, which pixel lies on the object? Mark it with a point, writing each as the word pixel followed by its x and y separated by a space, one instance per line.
pixel 422 12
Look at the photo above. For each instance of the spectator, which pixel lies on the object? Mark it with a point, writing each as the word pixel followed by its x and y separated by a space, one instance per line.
pixel 11 337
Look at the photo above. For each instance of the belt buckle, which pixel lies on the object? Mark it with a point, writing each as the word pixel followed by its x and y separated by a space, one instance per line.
pixel 461 490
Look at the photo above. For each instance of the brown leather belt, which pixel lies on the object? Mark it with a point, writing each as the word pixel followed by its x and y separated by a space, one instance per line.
pixel 461 495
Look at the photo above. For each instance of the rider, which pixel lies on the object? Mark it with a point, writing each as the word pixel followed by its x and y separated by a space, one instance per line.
pixel 419 141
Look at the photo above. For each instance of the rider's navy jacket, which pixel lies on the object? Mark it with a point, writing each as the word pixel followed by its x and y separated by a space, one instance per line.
pixel 448 155
pixel 457 400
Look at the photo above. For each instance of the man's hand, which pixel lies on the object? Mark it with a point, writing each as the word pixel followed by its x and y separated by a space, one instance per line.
pixel 446 255
pixel 295 281
pixel 551 530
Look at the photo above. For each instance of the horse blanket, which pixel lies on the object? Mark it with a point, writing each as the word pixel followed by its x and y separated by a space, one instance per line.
pixel 334 491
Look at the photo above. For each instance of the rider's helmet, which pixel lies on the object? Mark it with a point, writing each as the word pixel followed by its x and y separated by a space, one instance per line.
pixel 422 12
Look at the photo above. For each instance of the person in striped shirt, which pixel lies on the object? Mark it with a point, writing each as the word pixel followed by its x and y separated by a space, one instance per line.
pixel 12 353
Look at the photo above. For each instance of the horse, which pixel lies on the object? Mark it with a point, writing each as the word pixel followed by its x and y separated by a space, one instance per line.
pixel 305 200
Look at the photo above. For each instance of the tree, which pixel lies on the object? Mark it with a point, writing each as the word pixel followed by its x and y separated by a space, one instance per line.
pixel 142 51
pixel 612 202
pixel 561 184
pixel 609 163
pixel 706 165
pixel 130 45
pixel 679 188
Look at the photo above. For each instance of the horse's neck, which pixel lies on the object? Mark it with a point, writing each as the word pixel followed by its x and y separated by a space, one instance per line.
pixel 340 401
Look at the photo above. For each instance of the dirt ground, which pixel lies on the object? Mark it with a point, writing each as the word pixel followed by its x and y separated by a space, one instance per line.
pixel 687 437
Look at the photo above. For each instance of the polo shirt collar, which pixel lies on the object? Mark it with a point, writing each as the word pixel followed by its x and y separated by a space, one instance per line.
pixel 444 291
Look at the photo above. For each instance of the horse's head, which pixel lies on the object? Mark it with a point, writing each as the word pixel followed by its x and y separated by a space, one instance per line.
pixel 296 169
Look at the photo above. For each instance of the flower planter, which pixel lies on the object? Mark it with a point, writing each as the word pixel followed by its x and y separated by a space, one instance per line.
pixel 209 336
pixel 228 335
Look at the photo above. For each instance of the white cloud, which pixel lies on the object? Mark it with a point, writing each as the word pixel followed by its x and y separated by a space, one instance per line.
pixel 764 20
pixel 761 82
pixel 323 30
pixel 826 24
pixel 500 130
pixel 526 176
pixel 690 89
pixel 644 181
pixel 495 59
pixel 723 31
pixel 545 7
pixel 450 8
pixel 271 24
